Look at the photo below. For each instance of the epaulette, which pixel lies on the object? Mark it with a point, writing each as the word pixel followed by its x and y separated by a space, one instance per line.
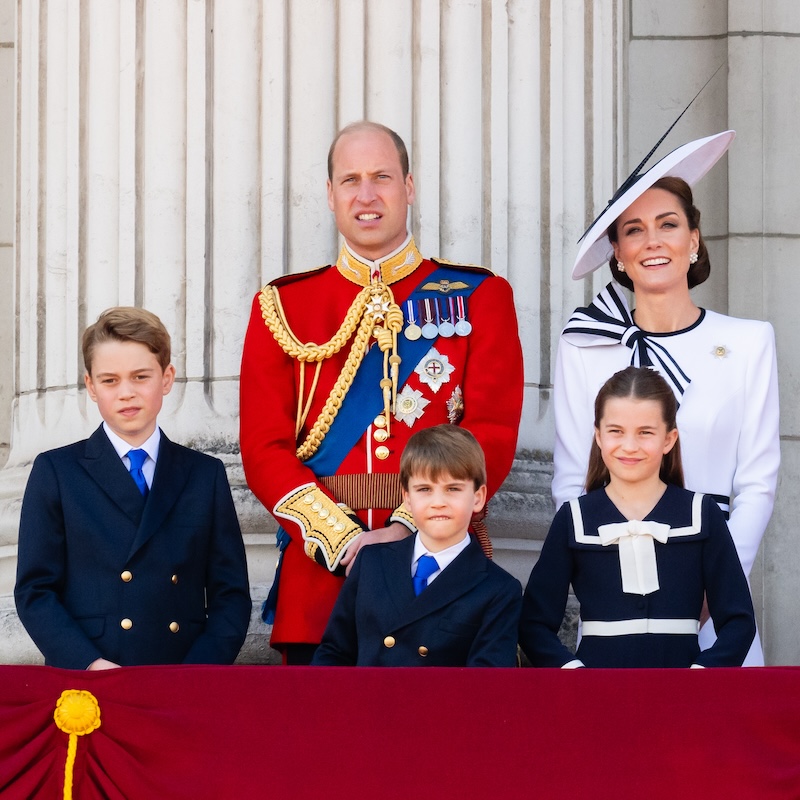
pixel 285 280
pixel 468 267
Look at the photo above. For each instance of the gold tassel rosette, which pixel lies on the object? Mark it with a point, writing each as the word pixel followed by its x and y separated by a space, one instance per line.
pixel 373 314
pixel 77 714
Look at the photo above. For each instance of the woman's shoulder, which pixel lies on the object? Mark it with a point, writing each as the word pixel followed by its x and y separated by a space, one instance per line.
pixel 738 326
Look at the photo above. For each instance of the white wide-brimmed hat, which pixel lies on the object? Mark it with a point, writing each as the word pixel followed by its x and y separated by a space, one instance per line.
pixel 690 161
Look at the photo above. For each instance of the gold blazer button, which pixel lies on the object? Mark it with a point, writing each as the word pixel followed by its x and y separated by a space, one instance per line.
pixel 174 578
pixel 389 641
pixel 380 421
pixel 422 650
pixel 126 624
pixel 382 452
pixel 127 576
pixel 174 627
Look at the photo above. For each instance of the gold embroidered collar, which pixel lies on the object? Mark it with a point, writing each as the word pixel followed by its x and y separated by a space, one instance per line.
pixel 393 267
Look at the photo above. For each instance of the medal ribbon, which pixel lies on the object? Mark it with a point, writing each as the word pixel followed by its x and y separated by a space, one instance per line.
pixel 363 403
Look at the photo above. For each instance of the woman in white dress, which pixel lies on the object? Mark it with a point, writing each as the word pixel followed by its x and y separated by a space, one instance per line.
pixel 722 369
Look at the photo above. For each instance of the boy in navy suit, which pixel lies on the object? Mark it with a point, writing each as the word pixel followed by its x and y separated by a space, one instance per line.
pixel 129 547
pixel 433 599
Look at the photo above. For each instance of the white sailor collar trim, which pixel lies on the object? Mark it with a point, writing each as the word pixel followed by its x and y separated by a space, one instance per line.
pixel 635 541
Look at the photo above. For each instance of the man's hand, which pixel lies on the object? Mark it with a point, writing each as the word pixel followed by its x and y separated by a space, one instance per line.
pixel 102 663
pixel 391 533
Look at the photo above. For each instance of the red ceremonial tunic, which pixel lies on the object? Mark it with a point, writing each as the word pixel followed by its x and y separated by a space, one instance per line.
pixel 487 366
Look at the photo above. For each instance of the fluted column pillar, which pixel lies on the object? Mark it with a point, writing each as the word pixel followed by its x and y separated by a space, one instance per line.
pixel 172 154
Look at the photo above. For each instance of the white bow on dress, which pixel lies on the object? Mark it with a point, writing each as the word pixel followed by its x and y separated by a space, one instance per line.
pixel 637 552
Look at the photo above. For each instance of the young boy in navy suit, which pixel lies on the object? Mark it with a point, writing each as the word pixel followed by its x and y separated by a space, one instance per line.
pixel 433 599
pixel 129 547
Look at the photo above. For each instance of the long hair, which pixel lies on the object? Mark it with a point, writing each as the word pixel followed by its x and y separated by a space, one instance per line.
pixel 636 383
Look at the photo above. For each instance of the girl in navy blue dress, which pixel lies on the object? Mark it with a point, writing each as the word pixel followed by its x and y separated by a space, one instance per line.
pixel 640 551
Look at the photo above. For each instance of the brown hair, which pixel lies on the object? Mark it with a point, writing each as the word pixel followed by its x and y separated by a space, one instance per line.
pixel 636 383
pixel 443 450
pixel 127 324
pixel 701 269
pixel 366 125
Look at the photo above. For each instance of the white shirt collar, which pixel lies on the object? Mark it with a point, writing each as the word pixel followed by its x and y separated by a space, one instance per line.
pixel 150 446
pixel 443 558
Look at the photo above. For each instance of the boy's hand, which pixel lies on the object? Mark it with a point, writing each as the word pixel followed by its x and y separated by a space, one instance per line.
pixel 391 533
pixel 102 663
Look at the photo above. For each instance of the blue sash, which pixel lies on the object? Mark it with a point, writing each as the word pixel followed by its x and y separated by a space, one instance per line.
pixel 364 400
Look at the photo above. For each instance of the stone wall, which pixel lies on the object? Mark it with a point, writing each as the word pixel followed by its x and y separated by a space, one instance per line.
pixel 172 154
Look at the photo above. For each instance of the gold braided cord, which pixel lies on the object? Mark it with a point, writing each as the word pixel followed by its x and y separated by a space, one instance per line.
pixel 300 390
pixel 373 312
pixel 77 713
pixel 272 312
pixel 319 430
pixel 301 420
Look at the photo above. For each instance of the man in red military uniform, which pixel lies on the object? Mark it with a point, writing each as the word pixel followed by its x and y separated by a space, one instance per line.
pixel 342 364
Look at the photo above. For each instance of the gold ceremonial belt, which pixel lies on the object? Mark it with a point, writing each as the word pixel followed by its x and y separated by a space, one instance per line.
pixel 365 490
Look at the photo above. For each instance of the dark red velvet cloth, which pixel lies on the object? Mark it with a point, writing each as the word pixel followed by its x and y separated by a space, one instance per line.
pixel 304 732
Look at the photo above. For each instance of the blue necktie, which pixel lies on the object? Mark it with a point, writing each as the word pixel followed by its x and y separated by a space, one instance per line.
pixel 426 566
pixel 137 458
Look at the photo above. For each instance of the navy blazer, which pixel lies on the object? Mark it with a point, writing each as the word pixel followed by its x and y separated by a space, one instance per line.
pixel 468 616
pixel 104 573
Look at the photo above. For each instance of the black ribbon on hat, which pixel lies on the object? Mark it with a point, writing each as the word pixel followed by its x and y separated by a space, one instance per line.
pixel 637 173
pixel 607 320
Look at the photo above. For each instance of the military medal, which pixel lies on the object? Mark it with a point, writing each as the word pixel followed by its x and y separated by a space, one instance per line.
pixel 434 369
pixel 446 327
pixel 455 406
pixel 463 326
pixel 412 331
pixel 410 405
pixel 429 330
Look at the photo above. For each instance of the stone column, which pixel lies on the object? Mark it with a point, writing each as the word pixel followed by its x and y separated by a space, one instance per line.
pixel 764 250
pixel 173 155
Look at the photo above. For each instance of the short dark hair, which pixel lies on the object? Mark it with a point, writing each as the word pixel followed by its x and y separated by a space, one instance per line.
pixel 443 450
pixel 366 125
pixel 637 383
pixel 127 324
pixel 701 269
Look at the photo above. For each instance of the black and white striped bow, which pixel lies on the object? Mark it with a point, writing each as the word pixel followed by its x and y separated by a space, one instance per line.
pixel 608 321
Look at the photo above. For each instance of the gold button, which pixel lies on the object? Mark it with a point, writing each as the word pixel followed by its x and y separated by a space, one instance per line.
pixel 380 435
pixel 382 452
pixel 174 627
pixel 331 521
pixel 309 499
pixel 127 576
pixel 174 578
pixel 389 641
pixel 380 421
pixel 339 527
pixel 422 650
pixel 126 624
pixel 323 513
